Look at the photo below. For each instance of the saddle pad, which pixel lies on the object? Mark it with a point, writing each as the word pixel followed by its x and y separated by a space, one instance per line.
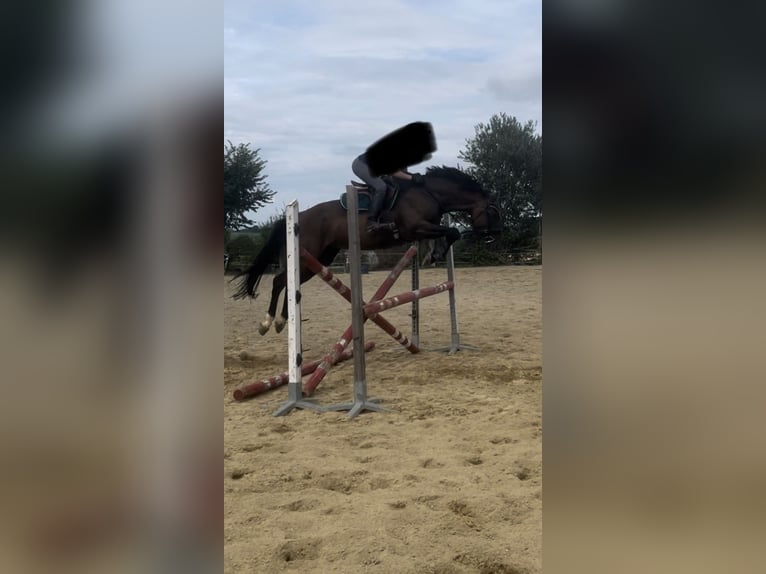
pixel 365 198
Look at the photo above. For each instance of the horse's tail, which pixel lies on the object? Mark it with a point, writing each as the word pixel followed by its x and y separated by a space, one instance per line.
pixel 248 280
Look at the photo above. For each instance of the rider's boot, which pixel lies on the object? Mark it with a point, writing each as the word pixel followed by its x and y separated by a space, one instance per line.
pixel 376 206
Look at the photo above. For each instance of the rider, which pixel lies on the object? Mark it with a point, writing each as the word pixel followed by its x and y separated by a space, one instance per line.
pixel 362 170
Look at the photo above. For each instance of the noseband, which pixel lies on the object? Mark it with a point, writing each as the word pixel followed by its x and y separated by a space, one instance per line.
pixel 492 207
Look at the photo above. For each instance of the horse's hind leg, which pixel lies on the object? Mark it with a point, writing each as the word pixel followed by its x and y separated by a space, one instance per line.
pixel 276 288
pixel 325 259
pixel 281 321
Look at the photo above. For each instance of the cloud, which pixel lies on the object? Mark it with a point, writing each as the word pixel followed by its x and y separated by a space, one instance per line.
pixel 518 89
pixel 314 83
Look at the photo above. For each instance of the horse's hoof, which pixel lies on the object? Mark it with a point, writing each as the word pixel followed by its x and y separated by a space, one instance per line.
pixel 279 324
pixel 263 329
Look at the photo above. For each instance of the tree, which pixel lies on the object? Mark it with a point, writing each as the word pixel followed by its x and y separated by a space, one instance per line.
pixel 242 246
pixel 244 184
pixel 506 158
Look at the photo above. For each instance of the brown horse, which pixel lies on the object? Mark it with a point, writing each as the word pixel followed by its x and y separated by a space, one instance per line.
pixel 415 216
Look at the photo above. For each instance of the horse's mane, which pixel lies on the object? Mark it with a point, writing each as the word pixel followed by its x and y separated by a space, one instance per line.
pixel 457 177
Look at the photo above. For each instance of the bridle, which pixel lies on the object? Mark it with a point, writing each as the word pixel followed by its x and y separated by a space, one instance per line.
pixel 490 206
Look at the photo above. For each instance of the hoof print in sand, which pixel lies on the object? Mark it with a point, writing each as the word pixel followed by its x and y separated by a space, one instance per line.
pixel 306 549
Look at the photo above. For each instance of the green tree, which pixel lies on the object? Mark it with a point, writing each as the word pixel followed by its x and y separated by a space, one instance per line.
pixel 244 184
pixel 242 246
pixel 506 157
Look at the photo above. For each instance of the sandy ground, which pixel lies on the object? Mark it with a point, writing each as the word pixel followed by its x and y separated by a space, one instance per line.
pixel 448 482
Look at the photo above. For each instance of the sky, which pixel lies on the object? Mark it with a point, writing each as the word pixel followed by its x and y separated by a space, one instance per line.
pixel 312 83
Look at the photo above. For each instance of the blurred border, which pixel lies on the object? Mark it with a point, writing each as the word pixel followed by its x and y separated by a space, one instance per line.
pixel 110 250
pixel 653 288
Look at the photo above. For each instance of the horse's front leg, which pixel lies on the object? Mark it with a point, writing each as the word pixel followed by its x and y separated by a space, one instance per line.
pixel 428 255
pixel 427 230
pixel 443 247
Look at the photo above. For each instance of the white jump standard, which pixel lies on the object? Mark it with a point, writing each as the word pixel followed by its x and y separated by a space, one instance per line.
pixel 295 399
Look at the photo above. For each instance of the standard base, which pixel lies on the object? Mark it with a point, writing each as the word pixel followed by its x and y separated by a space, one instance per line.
pixel 357 407
pixel 452 349
pixel 303 403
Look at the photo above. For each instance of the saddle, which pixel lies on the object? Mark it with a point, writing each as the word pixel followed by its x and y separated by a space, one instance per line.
pixel 364 193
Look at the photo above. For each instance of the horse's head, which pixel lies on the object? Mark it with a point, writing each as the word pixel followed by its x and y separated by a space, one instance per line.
pixel 486 218
pixel 458 191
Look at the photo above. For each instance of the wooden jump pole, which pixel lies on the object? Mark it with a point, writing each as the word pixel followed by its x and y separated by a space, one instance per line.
pixel 259 387
pixel 332 357
pixel 322 271
pixel 406 297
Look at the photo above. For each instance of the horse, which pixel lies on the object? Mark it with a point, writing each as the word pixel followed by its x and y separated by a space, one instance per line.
pixel 415 216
